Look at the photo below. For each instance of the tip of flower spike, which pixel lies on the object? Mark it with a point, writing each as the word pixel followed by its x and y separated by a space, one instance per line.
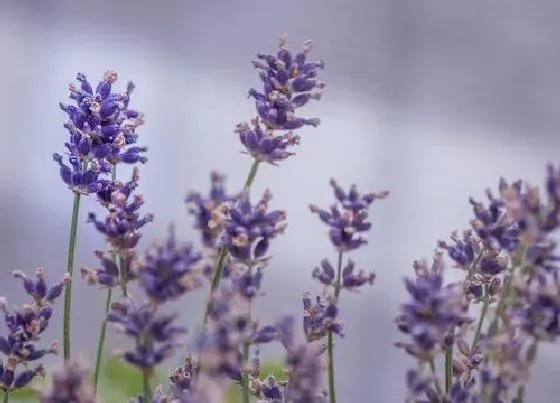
pixel 110 76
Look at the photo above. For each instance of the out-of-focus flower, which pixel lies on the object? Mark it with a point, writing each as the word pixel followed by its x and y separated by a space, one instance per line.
pixel 263 145
pixel 433 311
pixel 289 83
pixel 101 127
pixel 181 378
pixel 70 384
pixel 345 225
pixel 155 334
pixel 209 211
pixel 24 328
pixel 249 229
pixel 168 271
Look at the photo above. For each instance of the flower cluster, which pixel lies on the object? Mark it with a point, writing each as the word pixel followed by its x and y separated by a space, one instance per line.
pixel 346 225
pixel 70 384
pixel 432 313
pixel 101 128
pixel 121 227
pixel 24 328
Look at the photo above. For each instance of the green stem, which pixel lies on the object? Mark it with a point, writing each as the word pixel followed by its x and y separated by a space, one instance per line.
pixel 245 379
pixel 146 387
pixel 483 312
pixel 6 396
pixel 436 380
pixel 448 367
pixel 122 266
pixel 330 336
pixel 70 270
pixel 252 174
pixel 103 331
pixel 101 342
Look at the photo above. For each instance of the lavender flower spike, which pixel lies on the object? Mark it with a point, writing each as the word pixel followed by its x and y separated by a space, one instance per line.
pixel 289 82
pixel 70 384
pixel 352 220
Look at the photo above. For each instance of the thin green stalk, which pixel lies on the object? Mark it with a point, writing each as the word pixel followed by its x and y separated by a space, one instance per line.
pixel 146 387
pixel 245 360
pixel 70 270
pixel 330 336
pixel 103 331
pixel 448 368
pixel 101 342
pixel 122 266
pixel 483 312
pixel 6 396
pixel 436 380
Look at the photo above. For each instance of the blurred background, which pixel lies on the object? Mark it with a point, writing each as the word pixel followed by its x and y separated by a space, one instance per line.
pixel 432 100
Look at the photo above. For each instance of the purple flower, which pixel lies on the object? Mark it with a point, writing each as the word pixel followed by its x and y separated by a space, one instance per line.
pixel 209 211
pixel 289 82
pixel 320 318
pixel 352 220
pixel 24 328
pixel 263 145
pixel 169 270
pixel 123 221
pixel 432 312
pixel 101 127
pixel 249 229
pixel 156 335
pixel 70 384
pixel 350 279
pixel 109 274
pixel 181 379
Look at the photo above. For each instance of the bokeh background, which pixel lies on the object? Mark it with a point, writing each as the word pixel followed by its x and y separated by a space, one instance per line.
pixel 433 100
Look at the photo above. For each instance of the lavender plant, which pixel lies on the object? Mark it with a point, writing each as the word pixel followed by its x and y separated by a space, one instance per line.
pixel 507 259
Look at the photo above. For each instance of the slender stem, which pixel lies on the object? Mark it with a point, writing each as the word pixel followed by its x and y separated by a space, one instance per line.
pixel 103 331
pixel 6 396
pixel 330 336
pixel 146 387
pixel 70 270
pixel 483 312
pixel 449 367
pixel 102 335
pixel 245 379
pixel 436 380
pixel 122 273
pixel 530 359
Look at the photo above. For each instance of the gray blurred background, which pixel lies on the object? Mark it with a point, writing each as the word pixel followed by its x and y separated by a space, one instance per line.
pixel 433 100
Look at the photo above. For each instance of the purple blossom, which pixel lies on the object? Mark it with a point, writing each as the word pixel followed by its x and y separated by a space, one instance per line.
pixel 101 127
pixel 70 384
pixel 345 225
pixel 155 334
pixel 123 221
pixel 209 211
pixel 351 280
pixel 25 326
pixel 289 82
pixel 321 317
pixel 433 311
pixel 263 145
pixel 109 274
pixel 168 271
pixel 249 229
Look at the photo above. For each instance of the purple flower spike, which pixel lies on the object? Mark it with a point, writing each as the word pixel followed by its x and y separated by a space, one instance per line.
pixel 123 221
pixel 208 211
pixel 155 334
pixel 321 317
pixel 101 128
pixel 249 228
pixel 289 83
pixel 263 145
pixel 348 218
pixel 169 270
pixel 38 288
pixel 70 384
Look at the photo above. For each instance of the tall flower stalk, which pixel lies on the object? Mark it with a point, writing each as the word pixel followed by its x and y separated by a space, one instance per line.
pixel 347 219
